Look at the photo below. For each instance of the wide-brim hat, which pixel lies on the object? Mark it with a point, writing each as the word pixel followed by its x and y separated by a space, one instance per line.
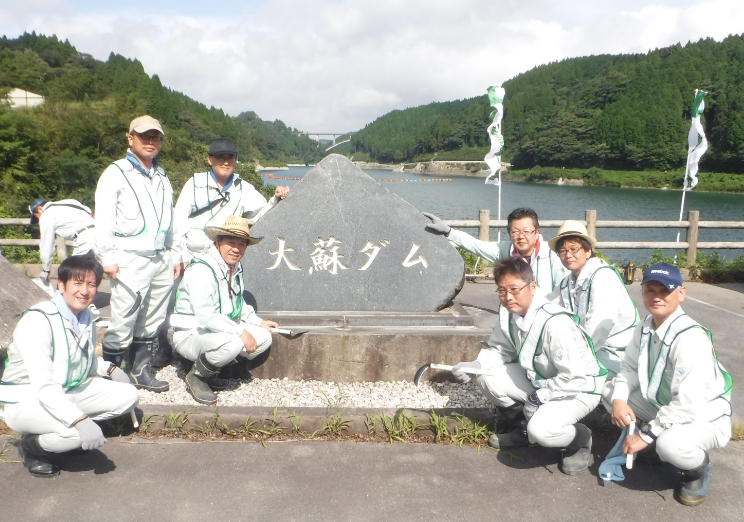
pixel 145 123
pixel 570 228
pixel 235 226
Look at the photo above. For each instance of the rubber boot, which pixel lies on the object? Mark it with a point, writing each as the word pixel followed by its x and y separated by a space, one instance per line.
pixel 162 351
pixel 113 357
pixel 575 458
pixel 140 371
pixel 197 381
pixel 694 487
pixel 35 458
pixel 517 437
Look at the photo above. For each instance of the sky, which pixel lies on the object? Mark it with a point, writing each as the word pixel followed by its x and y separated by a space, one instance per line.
pixel 333 66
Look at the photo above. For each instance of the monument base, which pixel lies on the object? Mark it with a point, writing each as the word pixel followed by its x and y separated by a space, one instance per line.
pixel 370 346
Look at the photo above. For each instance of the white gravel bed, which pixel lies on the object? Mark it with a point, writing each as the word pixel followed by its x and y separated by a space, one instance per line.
pixel 286 393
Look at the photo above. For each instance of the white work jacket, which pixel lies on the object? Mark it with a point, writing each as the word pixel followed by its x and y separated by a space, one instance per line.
pixel 30 361
pixel 241 198
pixel 201 298
pixel 546 265
pixel 567 362
pixel 66 218
pixel 118 212
pixel 691 376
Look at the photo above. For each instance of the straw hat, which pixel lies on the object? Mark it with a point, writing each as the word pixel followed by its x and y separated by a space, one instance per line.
pixel 235 226
pixel 572 228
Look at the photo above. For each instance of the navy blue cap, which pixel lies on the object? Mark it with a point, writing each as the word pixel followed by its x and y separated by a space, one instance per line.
pixel 222 146
pixel 38 202
pixel 666 274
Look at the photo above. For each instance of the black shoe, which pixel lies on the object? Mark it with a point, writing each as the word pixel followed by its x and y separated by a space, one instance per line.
pixel 35 458
pixel 517 438
pixel 141 373
pixel 114 357
pixel 197 381
pixel 575 458
pixel 694 487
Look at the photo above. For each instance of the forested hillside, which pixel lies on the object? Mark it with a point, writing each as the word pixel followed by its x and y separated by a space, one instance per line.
pixel 626 112
pixel 59 150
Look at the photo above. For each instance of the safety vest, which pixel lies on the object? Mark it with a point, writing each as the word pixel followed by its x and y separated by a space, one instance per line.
pixel 152 236
pixel 655 389
pixel 532 344
pixel 542 268
pixel 61 371
pixel 619 340
pixel 230 299
pixel 227 207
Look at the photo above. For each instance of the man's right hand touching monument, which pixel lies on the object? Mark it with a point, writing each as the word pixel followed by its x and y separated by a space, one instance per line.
pixel 437 225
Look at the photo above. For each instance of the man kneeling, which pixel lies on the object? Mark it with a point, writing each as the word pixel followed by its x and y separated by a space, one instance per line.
pixel 211 324
pixel 671 379
pixel 54 383
pixel 547 376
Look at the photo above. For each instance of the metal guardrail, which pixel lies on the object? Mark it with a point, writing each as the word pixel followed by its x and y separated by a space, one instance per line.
pixel 691 244
pixel 484 224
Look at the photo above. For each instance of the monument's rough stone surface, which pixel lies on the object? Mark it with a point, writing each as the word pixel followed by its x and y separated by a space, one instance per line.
pixel 341 241
pixel 17 294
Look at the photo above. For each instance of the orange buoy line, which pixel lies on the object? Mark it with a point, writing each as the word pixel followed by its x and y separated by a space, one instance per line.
pixel 413 180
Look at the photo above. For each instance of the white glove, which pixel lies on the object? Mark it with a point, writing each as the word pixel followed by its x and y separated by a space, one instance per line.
pixel 119 375
pixel 437 225
pixel 463 377
pixel 90 433
pixel 44 278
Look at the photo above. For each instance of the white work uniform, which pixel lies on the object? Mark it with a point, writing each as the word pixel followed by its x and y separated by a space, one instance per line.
pixel 560 365
pixel 70 220
pixel 691 416
pixel 546 265
pixel 210 313
pixel 606 311
pixel 237 198
pixel 41 400
pixel 133 230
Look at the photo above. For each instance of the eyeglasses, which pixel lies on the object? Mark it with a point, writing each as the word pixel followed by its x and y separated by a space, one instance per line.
pixel 563 252
pixel 503 292
pixel 521 233
pixel 225 158
pixel 145 138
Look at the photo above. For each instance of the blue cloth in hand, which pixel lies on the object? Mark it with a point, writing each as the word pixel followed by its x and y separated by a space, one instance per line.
pixel 612 467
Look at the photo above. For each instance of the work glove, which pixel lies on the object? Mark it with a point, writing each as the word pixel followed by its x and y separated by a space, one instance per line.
pixel 90 433
pixel 119 375
pixel 531 406
pixel 437 225
pixel 44 278
pixel 463 377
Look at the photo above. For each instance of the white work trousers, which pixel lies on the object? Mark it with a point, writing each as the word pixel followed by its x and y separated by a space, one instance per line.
pixel 682 445
pixel 552 425
pixel 84 242
pixel 153 278
pixel 219 348
pixel 612 359
pixel 98 398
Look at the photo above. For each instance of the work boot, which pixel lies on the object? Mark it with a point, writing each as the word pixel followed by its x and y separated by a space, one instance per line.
pixel 162 353
pixel 197 381
pixel 35 458
pixel 575 458
pixel 140 370
pixel 517 437
pixel 114 357
pixel 694 487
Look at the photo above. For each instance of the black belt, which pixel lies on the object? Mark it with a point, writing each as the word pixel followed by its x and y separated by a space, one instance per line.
pixel 83 230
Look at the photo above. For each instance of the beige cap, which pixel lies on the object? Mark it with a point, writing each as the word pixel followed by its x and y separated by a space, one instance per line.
pixel 572 228
pixel 235 226
pixel 145 123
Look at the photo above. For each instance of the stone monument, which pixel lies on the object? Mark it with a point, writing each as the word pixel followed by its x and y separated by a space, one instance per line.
pixel 342 242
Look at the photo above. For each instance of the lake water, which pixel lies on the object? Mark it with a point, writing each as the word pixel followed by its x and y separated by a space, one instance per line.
pixel 463 197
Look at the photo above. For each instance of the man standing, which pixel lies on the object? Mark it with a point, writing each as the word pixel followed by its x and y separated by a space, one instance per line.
pixel 54 385
pixel 210 197
pixel 134 239
pixel 69 219
pixel 672 381
pixel 526 243
pixel 545 375
pixel 211 324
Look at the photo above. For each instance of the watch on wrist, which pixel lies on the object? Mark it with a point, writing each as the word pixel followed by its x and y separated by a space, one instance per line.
pixel 534 399
pixel 648 432
pixel 111 369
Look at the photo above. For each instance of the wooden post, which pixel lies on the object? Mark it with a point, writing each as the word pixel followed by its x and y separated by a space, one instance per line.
pixel 61 249
pixel 591 223
pixel 484 230
pixel 693 216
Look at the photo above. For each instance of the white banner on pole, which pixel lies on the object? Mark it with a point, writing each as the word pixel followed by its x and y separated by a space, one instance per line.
pixel 493 158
